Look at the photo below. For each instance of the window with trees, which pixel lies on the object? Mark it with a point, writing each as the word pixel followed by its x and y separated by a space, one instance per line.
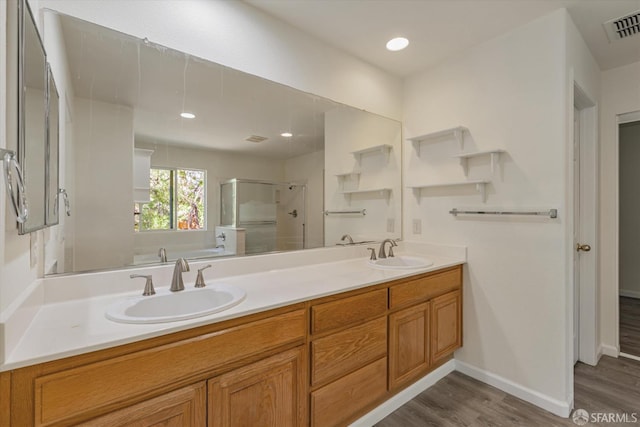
pixel 177 201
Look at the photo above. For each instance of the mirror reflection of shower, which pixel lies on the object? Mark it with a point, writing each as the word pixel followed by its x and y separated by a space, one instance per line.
pixel 291 208
pixel 270 215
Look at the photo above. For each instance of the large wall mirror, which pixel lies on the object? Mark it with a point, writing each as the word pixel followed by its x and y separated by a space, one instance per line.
pixel 32 105
pixel 167 155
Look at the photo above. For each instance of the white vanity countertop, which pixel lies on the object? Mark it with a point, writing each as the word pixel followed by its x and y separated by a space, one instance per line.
pixel 62 328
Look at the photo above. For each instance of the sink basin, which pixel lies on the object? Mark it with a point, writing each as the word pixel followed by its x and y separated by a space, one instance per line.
pixel 168 306
pixel 401 263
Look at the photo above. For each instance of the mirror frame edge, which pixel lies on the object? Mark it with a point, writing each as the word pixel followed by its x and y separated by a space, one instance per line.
pixel 24 13
pixel 52 88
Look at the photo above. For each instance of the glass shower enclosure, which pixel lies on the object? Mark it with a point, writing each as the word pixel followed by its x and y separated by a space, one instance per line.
pixel 271 213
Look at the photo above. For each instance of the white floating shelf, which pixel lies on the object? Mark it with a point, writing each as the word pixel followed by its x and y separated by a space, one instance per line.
pixel 457 132
pixel 481 187
pixel 384 192
pixel 495 158
pixel 383 149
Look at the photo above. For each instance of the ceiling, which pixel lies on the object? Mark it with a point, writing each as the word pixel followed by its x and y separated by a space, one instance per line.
pixel 438 29
pixel 159 83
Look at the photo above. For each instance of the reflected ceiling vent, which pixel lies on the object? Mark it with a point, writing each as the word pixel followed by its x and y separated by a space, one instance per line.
pixel 623 27
pixel 256 138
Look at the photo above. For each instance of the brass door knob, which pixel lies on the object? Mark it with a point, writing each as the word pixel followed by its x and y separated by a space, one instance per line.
pixel 584 248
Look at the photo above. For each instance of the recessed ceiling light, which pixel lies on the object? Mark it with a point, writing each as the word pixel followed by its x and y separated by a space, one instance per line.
pixel 398 43
pixel 186 115
pixel 286 134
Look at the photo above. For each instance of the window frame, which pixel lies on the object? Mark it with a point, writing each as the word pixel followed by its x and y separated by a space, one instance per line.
pixel 173 198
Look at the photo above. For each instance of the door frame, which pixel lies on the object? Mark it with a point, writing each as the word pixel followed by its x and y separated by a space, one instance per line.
pixel 629 117
pixel 588 226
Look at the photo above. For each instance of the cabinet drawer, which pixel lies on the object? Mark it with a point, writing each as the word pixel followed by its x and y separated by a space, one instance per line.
pixel 424 288
pixel 337 403
pixel 337 354
pixel 347 311
pixel 75 391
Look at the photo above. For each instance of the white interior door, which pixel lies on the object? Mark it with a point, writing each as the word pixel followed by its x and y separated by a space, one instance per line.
pixel 585 249
pixel 576 235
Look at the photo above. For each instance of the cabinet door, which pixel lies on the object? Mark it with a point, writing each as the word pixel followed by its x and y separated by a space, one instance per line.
pixel 446 325
pixel 185 407
pixel 270 392
pixel 408 344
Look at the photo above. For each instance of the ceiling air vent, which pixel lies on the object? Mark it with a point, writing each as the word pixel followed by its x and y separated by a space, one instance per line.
pixel 256 138
pixel 623 27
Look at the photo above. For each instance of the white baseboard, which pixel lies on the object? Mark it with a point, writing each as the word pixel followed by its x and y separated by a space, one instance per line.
pixel 630 356
pixel 609 350
pixel 557 407
pixel 405 395
pixel 628 293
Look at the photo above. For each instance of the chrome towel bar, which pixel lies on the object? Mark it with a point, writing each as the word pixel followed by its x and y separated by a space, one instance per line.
pixel 362 212
pixel 18 195
pixel 551 213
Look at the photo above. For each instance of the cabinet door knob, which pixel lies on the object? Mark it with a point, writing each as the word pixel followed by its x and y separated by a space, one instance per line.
pixel 584 248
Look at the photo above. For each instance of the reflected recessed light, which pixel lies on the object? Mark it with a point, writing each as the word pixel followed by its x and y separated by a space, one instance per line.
pixel 398 43
pixel 188 115
pixel 286 134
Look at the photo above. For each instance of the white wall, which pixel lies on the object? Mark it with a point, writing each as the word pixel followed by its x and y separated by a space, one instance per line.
pixel 16 271
pixel 104 185
pixel 511 94
pixel 240 36
pixel 220 166
pixel 620 95
pixel 348 130
pixel 309 169
pixel 629 209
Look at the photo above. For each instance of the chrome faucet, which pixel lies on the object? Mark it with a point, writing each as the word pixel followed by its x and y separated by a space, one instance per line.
pixel 381 253
pixel 162 253
pixel 347 237
pixel 148 286
pixel 176 283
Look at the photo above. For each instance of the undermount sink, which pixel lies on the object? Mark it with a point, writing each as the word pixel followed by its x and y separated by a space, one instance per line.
pixel 168 306
pixel 402 262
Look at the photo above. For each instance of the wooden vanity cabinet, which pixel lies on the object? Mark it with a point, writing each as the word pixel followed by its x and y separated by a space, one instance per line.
pixel 130 377
pixel 322 363
pixel 425 324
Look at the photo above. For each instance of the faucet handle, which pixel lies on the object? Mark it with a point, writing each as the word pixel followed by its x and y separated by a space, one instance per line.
pixel 373 254
pixel 148 286
pixel 393 244
pixel 200 279
pixel 162 253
